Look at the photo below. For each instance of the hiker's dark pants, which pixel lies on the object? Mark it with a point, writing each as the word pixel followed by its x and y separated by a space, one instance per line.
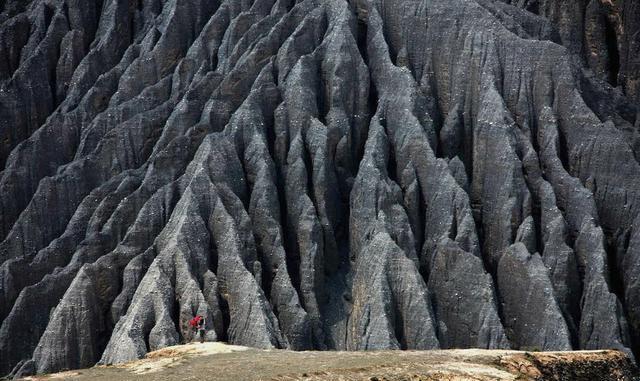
pixel 201 333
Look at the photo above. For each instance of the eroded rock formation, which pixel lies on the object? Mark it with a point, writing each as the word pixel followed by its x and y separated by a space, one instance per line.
pixel 317 174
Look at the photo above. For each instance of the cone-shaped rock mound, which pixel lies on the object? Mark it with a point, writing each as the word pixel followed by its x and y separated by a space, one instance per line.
pixel 317 174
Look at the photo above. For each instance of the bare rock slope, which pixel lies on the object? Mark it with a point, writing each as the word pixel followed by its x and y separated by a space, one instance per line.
pixel 317 174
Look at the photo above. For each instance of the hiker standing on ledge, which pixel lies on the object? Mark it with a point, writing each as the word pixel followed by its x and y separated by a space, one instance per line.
pixel 197 324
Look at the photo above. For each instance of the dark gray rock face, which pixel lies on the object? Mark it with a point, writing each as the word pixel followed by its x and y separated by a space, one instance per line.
pixel 317 174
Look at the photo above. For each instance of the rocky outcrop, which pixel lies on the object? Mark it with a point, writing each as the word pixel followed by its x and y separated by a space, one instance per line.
pixel 203 360
pixel 603 33
pixel 317 174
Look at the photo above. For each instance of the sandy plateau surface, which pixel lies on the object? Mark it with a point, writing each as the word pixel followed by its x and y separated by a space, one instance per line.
pixel 218 361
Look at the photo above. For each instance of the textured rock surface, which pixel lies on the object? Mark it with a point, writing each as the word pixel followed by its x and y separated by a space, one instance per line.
pixel 317 174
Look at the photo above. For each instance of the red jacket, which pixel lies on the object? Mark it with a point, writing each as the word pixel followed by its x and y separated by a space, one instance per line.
pixel 193 323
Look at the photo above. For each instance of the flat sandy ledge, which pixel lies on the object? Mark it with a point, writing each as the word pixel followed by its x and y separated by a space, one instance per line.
pixel 218 361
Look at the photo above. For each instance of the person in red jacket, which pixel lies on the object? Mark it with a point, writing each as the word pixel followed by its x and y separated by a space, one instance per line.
pixel 197 324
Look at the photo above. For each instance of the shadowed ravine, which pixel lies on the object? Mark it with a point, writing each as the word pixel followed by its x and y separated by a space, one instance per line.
pixel 328 174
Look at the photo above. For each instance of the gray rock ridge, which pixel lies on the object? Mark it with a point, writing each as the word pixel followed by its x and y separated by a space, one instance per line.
pixel 604 34
pixel 350 175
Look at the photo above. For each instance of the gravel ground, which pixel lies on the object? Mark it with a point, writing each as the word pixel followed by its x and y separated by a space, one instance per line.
pixel 216 361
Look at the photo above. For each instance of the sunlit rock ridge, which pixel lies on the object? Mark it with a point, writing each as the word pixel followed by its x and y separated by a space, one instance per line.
pixel 317 174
